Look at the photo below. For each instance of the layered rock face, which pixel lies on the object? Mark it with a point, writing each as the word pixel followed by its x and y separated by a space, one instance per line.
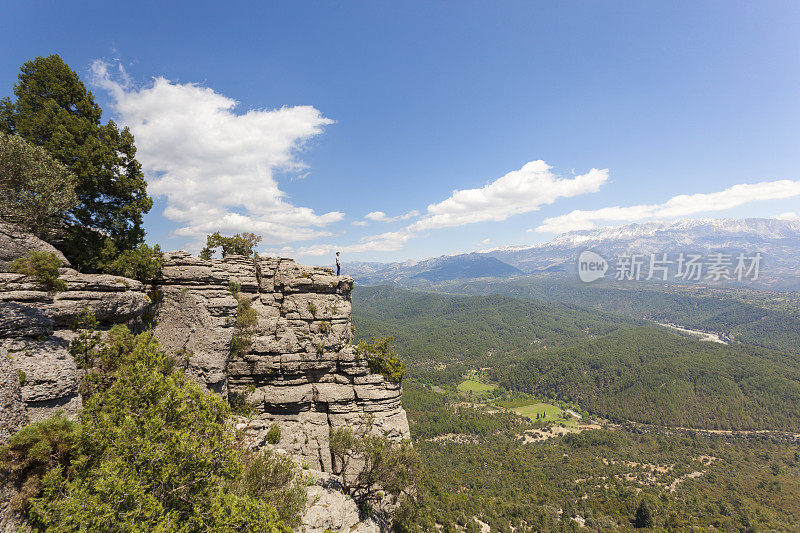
pixel 35 331
pixel 300 371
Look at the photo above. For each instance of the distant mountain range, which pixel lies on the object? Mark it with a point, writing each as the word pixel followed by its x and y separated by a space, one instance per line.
pixel 778 242
pixel 444 268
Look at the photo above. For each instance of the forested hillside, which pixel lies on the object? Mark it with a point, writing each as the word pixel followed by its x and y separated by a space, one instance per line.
pixel 611 366
pixel 443 336
pixel 598 477
pixel 761 318
pixel 481 464
pixel 648 374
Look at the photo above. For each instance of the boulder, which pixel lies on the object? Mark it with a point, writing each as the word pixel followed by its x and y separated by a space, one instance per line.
pixel 51 375
pixel 16 243
pixel 330 509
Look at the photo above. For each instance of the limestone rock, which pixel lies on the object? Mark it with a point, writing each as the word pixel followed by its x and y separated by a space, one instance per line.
pixel 51 375
pixel 330 509
pixel 20 320
pixel 198 323
pixel 35 324
pixel 300 372
pixel 15 243
pixel 12 406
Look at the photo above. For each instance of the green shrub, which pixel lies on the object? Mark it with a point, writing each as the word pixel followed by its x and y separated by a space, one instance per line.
pixel 381 358
pixel 643 517
pixel 35 450
pixel 42 267
pixel 234 288
pixel 153 452
pixel 23 377
pixel 274 434
pixel 239 404
pixel 386 468
pixel 142 263
pixel 244 327
pixel 84 347
pixel 274 478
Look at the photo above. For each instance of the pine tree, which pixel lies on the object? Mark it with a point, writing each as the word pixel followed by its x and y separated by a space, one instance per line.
pixel 54 110
pixel 643 518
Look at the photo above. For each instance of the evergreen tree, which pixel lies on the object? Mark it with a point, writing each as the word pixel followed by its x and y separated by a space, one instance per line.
pixel 239 244
pixel 643 518
pixel 54 110
pixel 36 191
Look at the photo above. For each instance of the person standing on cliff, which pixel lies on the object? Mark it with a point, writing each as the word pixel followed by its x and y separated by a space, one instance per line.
pixel 338 265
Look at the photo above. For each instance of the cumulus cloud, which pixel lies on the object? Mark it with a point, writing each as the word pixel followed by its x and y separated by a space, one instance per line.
pixel 677 206
pixel 217 167
pixel 519 191
pixel 791 215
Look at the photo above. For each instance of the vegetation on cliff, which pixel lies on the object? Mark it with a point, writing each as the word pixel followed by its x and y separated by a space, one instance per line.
pixel 151 452
pixel 41 267
pixel 382 358
pixel 239 244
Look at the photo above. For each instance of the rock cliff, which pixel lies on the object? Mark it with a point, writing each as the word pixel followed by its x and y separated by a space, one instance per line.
pixel 301 371
pixel 35 331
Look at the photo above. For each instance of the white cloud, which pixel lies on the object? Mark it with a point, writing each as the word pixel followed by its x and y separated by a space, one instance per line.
pixel 791 215
pixel 215 167
pixel 384 242
pixel 677 206
pixel 519 191
pixel 380 216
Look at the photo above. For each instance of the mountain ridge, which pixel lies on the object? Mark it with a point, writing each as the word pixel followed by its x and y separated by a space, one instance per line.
pixel 778 240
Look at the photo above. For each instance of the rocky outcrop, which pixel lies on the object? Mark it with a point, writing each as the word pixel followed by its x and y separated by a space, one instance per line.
pixel 12 417
pixel 35 325
pixel 301 372
pixel 15 243
pixel 328 508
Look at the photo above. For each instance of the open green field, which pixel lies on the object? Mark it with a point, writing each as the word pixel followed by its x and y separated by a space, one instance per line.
pixel 475 387
pixel 531 408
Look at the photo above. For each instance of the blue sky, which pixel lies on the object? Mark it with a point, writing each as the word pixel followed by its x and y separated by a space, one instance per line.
pixel 469 125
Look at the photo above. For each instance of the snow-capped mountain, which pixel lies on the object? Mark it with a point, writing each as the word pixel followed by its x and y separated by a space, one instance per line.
pixel 776 240
pixel 686 230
